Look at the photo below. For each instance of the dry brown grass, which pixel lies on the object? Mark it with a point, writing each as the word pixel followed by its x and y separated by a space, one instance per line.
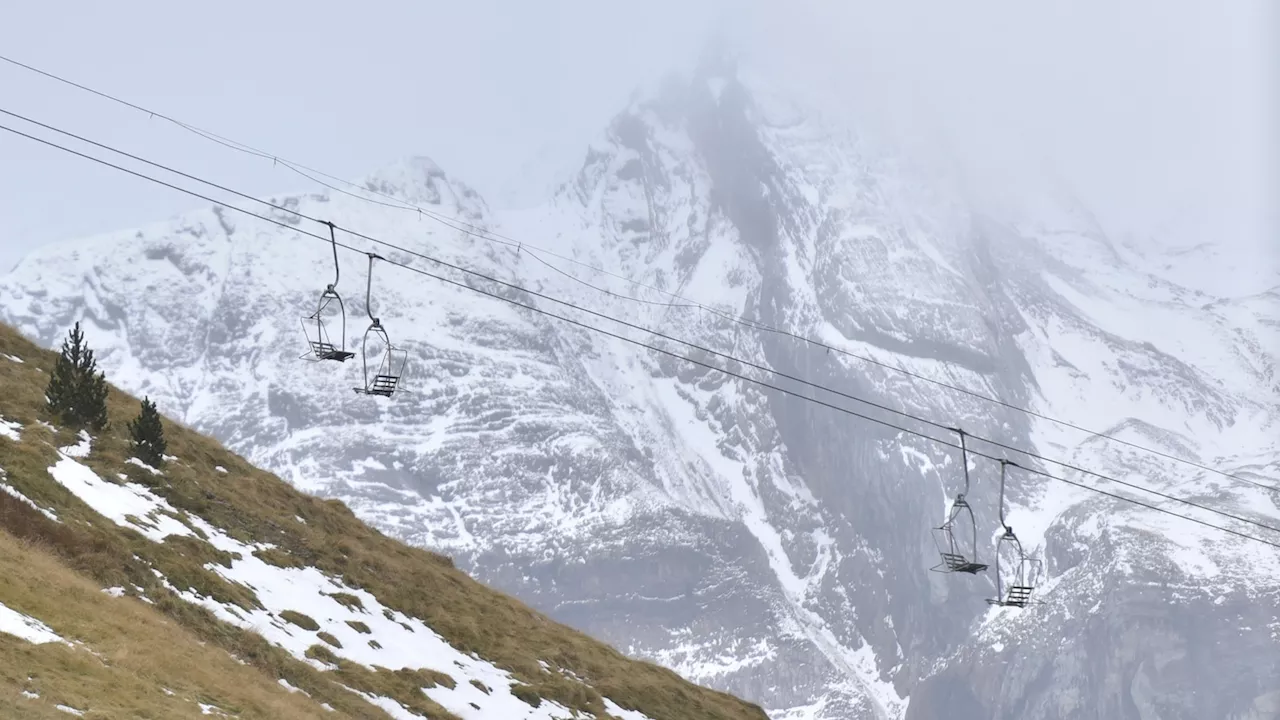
pixel 130 654
pixel 255 506
pixel 59 543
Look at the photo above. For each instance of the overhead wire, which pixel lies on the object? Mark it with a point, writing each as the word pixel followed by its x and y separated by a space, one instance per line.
pixel 678 356
pixel 485 234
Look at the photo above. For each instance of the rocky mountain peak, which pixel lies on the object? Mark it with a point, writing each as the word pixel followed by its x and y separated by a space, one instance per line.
pixel 418 180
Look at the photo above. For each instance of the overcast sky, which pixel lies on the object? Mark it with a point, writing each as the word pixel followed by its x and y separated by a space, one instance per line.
pixel 1155 111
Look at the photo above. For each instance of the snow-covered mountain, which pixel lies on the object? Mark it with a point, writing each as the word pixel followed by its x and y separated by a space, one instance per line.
pixel 750 540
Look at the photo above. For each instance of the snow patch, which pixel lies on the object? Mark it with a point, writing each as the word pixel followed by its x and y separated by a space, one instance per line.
pixel 9 429
pixel 144 466
pixel 114 591
pixel 615 710
pixel 465 697
pixel 220 469
pixel 26 627
pixel 30 695
pixel 80 449
pixel 26 500
pixel 70 710
pixel 126 504
pixel 697 657
pixel 11 358
pixel 812 711
pixel 391 707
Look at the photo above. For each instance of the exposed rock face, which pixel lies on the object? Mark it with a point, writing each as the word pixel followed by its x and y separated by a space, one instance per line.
pixel 749 539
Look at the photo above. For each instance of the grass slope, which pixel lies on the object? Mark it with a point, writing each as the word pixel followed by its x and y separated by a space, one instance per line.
pixel 154 654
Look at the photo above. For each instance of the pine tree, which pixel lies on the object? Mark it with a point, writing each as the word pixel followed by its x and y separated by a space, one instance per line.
pixel 77 394
pixel 95 401
pixel 147 435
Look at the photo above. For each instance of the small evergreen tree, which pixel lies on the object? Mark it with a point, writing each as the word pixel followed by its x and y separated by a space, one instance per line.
pixel 147 435
pixel 77 394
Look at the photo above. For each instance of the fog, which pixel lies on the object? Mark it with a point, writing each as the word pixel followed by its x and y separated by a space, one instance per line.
pixel 1157 115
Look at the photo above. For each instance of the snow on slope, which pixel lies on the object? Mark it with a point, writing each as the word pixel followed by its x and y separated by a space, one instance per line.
pixel 13 492
pixel 26 627
pixel 367 633
pixel 718 527
pixel 9 429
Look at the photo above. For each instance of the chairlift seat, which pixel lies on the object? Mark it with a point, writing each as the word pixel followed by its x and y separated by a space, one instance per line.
pixel 1019 595
pixel 383 385
pixel 326 351
pixel 956 562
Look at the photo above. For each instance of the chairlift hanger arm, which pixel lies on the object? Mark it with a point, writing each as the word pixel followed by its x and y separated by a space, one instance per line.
pixel 1004 465
pixel 964 459
pixel 333 240
pixel 368 291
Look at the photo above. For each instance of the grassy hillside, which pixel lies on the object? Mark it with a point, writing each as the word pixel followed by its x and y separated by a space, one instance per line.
pixel 210 586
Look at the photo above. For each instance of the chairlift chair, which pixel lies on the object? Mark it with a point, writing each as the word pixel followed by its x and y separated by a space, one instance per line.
pixel 322 348
pixel 953 555
pixel 1021 581
pixel 387 375
pixel 390 367
pixel 1025 570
